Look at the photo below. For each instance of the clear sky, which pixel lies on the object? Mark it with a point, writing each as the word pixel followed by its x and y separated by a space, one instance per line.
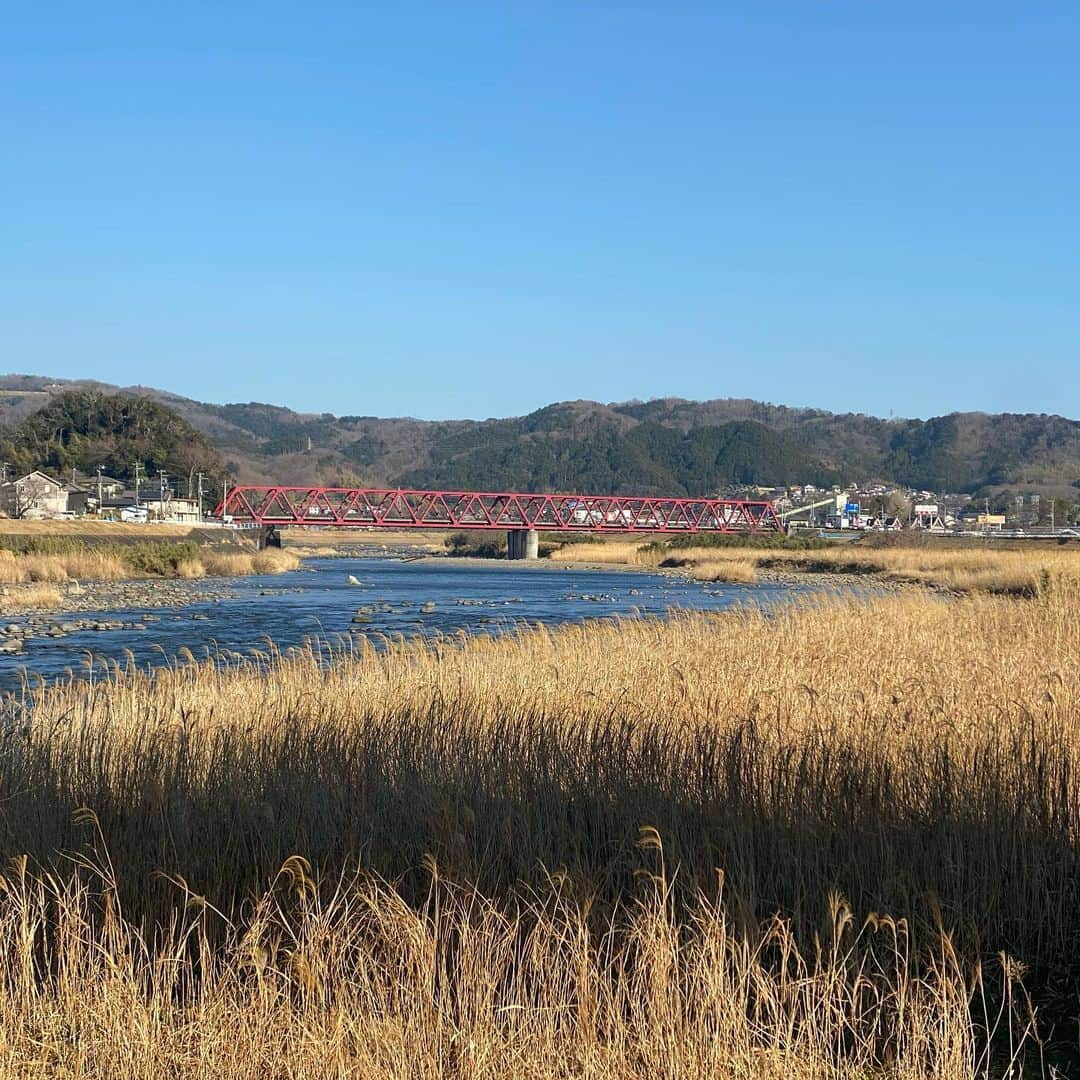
pixel 454 209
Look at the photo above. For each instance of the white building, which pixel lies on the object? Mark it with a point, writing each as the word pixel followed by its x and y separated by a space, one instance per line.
pixel 172 508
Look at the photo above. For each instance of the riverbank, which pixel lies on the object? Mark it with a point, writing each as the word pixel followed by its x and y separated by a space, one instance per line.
pixel 49 575
pixel 748 844
pixel 74 607
pixel 336 601
pixel 89 530
pixel 126 596
pixel 1014 572
pixel 823 581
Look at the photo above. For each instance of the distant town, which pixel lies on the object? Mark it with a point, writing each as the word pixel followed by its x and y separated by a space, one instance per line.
pixel 889 508
pixel 39 495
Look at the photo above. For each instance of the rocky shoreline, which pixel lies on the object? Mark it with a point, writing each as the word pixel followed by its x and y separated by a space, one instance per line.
pixel 140 596
pixel 87 606
pixel 130 593
pixel 823 580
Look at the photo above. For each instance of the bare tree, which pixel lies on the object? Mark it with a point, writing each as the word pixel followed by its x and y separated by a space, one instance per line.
pixel 29 494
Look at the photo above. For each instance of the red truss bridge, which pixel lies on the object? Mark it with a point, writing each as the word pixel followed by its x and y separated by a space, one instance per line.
pixel 521 515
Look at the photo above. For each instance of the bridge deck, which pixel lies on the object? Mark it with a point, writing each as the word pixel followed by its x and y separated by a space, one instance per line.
pixel 402 508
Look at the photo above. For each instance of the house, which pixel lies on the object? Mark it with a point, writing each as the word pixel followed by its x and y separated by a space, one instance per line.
pixel 172 508
pixel 111 488
pixel 78 498
pixel 121 508
pixel 101 487
pixel 124 508
pixel 38 495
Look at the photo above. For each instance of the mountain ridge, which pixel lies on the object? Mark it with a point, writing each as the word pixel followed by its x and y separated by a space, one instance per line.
pixel 665 445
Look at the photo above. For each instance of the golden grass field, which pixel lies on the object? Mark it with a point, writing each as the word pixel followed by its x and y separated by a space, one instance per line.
pixel 35 575
pixel 978 569
pixel 89 528
pixel 33 596
pixel 337 539
pixel 835 841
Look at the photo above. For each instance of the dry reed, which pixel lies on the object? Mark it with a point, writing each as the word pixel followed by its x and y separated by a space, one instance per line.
pixel 110 565
pixel 64 566
pixel 702 564
pixel 357 982
pixel 975 569
pixel 231 564
pixel 914 755
pixel 705 567
pixel 89 528
pixel 30 598
pixel 627 552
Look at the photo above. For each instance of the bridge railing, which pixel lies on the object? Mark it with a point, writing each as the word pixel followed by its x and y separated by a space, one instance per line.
pixel 404 508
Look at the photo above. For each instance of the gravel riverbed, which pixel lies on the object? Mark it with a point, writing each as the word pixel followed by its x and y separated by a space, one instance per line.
pixel 133 604
pixel 137 598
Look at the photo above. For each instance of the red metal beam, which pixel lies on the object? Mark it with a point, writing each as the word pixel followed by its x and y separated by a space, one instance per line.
pixel 404 508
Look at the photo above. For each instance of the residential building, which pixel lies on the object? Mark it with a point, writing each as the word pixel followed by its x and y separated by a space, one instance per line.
pixel 108 487
pixel 172 508
pixel 38 495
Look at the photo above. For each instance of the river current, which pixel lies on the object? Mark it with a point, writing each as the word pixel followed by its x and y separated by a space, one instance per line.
pixel 333 599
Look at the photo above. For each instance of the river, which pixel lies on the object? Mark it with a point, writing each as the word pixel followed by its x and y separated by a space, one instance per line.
pixel 335 597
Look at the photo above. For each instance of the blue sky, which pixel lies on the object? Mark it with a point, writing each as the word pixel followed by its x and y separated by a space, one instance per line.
pixel 454 209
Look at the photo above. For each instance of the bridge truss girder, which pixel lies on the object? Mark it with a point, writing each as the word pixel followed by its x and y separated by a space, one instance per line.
pixel 403 508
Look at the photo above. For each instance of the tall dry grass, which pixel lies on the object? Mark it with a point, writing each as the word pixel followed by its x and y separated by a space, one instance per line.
pixel 61 566
pixel 702 564
pixel 888 789
pixel 357 982
pixel 32 597
pixel 617 552
pixel 88 528
pixel 88 564
pixel 314 541
pixel 234 564
pixel 707 565
pixel 976 569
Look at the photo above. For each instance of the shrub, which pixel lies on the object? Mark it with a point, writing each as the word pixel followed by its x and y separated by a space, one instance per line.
pixel 158 558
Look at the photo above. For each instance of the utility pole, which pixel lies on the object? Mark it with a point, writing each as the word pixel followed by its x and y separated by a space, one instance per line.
pixel 99 488
pixel 200 495
pixel 161 495
pixel 138 471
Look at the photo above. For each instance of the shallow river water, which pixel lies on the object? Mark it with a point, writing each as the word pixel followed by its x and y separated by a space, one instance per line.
pixel 393 597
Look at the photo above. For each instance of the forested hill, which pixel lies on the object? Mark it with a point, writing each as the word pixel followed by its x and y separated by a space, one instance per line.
pixel 85 429
pixel 666 446
pixel 538 453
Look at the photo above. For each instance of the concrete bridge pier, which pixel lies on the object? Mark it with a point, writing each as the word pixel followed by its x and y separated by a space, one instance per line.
pixel 522 544
pixel 268 537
